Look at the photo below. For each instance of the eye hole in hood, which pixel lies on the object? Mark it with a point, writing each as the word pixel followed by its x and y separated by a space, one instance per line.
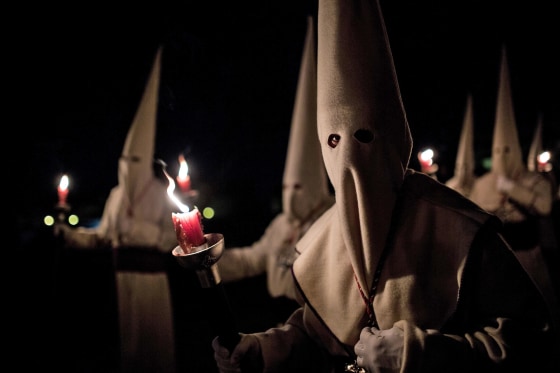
pixel 364 136
pixel 333 140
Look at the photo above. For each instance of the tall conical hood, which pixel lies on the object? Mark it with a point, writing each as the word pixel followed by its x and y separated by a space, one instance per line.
pixel 464 175
pixel 305 179
pixel 507 157
pixel 536 147
pixel 135 165
pixel 362 125
pixel 366 146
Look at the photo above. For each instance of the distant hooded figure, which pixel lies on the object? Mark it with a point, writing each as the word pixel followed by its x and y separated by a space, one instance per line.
pixel 305 193
pixel 516 195
pixel 402 274
pixel 509 185
pixel 549 231
pixel 137 223
pixel 464 176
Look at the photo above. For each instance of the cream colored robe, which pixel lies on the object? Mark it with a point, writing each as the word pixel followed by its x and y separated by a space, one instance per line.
pixel 450 282
pixel 273 254
pixel 144 298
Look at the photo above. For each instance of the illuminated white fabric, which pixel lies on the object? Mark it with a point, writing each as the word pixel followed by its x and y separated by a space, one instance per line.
pixel 357 90
pixel 464 175
pixel 305 192
pixel 137 213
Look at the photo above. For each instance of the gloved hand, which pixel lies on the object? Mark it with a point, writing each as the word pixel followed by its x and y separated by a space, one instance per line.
pixel 504 184
pixel 379 350
pixel 246 356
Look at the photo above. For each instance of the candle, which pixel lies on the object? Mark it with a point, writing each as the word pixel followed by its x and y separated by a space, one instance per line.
pixel 63 190
pixel 183 178
pixel 426 159
pixel 188 227
pixel 187 223
pixel 201 253
pixel 542 160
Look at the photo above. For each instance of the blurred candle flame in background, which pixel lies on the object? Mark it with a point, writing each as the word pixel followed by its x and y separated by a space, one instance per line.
pixel 183 178
pixel 63 189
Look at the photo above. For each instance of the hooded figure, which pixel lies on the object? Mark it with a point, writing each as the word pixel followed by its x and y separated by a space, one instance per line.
pixel 305 193
pixel 508 179
pixel 464 176
pixel 402 273
pixel 509 185
pixel 519 197
pixel 549 234
pixel 136 223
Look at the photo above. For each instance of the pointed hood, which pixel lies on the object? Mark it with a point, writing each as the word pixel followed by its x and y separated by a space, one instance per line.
pixel 366 146
pixel 464 175
pixel 136 163
pixel 536 147
pixel 305 183
pixel 507 157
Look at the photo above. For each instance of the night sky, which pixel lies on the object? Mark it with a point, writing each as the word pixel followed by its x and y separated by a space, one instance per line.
pixel 228 83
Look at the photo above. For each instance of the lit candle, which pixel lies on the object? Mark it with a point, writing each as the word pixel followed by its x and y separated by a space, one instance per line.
pixel 201 253
pixel 63 190
pixel 183 178
pixel 187 223
pixel 426 159
pixel 188 226
pixel 542 161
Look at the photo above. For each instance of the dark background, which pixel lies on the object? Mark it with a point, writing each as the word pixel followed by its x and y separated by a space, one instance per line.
pixel 227 89
pixel 229 74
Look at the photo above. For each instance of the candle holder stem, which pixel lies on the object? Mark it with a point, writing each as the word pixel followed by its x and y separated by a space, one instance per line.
pixel 226 324
pixel 204 262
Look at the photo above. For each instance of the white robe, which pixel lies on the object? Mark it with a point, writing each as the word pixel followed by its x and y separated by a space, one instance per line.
pixel 144 300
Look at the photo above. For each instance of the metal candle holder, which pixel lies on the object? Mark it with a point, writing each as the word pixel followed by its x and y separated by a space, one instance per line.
pixel 204 262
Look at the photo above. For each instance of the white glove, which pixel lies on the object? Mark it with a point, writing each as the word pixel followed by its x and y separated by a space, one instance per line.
pixel 504 184
pixel 379 350
pixel 246 355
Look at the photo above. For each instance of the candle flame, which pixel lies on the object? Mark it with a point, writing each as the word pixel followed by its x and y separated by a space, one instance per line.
pixel 426 157
pixel 544 157
pixel 171 189
pixel 183 168
pixel 64 182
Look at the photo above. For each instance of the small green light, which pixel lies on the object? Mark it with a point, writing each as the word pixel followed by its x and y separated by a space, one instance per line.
pixel 73 219
pixel 208 212
pixel 48 220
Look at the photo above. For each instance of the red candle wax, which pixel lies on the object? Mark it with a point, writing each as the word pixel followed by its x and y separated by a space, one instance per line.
pixel 188 227
pixel 62 195
pixel 63 190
